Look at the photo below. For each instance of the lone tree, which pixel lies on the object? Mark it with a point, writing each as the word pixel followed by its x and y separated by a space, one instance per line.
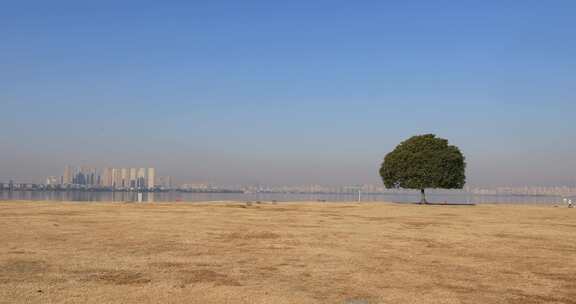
pixel 424 161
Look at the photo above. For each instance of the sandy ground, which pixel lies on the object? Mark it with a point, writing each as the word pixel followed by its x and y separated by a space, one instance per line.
pixel 285 253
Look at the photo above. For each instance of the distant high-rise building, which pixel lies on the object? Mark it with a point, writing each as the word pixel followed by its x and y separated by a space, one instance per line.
pixel 91 176
pixel 113 178
pixel 117 178
pixel 67 177
pixel 106 179
pixel 125 178
pixel 80 176
pixel 133 183
pixel 151 178
pixel 141 178
pixel 84 176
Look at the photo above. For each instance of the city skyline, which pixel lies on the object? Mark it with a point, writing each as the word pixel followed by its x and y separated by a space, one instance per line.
pixel 111 178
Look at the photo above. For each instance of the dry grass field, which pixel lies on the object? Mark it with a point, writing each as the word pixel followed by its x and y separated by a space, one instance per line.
pixel 285 253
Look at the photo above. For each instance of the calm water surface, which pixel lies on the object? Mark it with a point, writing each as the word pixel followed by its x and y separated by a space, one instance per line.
pixel 174 196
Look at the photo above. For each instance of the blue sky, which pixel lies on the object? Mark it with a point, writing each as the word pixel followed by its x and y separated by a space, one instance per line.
pixel 287 92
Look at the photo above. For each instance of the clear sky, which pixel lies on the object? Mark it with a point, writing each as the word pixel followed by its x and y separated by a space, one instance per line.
pixel 287 92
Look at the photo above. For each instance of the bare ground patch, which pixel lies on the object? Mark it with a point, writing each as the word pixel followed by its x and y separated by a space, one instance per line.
pixel 206 276
pixel 263 235
pixel 22 270
pixel 114 277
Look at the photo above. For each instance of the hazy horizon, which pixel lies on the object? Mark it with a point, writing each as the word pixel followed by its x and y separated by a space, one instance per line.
pixel 287 93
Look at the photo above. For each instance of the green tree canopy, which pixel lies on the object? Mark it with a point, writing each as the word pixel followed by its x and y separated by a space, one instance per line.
pixel 424 161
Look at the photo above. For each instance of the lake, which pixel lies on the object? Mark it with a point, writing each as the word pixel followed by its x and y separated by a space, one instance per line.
pixel 176 196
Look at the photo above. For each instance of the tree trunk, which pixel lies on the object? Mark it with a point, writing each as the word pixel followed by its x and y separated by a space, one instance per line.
pixel 423 197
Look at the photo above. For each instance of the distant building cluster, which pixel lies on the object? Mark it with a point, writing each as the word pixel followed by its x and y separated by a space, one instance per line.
pixel 319 189
pixel 110 178
pixel 526 190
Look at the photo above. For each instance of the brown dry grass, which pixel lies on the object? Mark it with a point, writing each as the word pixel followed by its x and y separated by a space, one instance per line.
pixel 285 253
